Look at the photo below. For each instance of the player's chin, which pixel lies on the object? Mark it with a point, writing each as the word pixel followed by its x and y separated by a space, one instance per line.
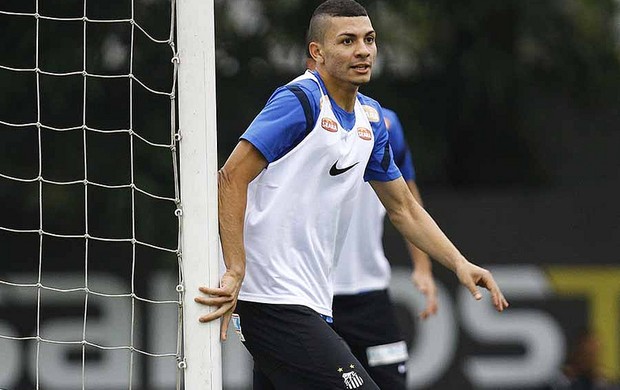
pixel 361 80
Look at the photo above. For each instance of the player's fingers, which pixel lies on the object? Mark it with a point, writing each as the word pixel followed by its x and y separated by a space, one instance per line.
pixel 474 290
pixel 214 314
pixel 218 291
pixel 426 313
pixel 430 309
pixel 498 299
pixel 505 302
pixel 213 301
pixel 502 303
pixel 434 305
pixel 224 325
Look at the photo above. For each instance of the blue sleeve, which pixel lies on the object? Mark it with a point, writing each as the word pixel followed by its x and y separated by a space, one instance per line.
pixel 381 166
pixel 402 154
pixel 406 167
pixel 279 127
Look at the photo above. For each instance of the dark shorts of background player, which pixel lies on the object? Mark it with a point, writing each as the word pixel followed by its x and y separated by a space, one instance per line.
pixel 295 348
pixel 366 320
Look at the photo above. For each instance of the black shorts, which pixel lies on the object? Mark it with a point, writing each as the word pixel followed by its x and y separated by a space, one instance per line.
pixel 367 322
pixel 294 348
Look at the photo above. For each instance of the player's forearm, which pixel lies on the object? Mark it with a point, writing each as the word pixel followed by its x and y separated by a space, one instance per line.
pixel 417 226
pixel 232 197
pixel 419 258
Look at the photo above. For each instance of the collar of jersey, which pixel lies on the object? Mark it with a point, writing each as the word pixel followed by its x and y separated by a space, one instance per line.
pixel 341 114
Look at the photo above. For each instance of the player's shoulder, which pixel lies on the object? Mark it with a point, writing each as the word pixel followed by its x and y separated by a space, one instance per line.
pixel 392 123
pixel 372 108
pixel 307 85
pixel 389 115
pixel 286 96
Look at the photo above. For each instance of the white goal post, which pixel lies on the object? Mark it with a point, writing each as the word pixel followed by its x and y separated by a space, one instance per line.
pixel 89 263
pixel 198 175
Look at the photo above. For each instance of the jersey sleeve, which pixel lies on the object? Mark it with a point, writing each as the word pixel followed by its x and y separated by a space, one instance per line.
pixel 381 166
pixel 279 127
pixel 402 153
pixel 406 167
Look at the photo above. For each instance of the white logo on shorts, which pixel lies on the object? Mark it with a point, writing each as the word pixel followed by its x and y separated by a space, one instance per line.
pixel 352 380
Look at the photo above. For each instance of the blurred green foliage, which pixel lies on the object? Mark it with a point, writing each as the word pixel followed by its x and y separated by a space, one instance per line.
pixel 473 81
pixel 491 94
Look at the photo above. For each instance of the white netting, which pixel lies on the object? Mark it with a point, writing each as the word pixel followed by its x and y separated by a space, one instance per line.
pixel 129 257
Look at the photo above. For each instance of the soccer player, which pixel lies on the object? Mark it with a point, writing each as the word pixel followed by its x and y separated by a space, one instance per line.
pixel 363 313
pixel 285 197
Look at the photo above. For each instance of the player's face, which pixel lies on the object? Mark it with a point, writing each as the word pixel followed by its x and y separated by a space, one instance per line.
pixel 349 49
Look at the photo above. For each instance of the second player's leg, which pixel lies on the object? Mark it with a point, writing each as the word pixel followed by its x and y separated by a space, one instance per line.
pixel 368 324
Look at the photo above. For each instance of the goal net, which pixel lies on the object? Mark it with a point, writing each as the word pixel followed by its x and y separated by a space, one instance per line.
pixel 108 194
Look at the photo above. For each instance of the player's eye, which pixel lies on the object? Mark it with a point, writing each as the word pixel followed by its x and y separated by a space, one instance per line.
pixel 347 41
pixel 370 39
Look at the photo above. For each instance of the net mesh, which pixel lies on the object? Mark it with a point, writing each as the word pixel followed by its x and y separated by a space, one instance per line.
pixel 93 197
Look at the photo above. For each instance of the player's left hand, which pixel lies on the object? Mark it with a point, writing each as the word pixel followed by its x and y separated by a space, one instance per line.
pixel 224 298
pixel 423 281
pixel 471 276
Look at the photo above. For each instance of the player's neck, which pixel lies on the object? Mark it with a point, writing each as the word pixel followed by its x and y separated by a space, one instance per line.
pixel 342 93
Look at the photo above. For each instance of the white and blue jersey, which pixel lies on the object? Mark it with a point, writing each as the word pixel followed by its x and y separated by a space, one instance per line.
pixel 362 265
pixel 282 124
pixel 300 206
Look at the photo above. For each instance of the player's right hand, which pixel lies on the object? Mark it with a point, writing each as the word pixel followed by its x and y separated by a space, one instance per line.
pixel 424 282
pixel 224 298
pixel 471 276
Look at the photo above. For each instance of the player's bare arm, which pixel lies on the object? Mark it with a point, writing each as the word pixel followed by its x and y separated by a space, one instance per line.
pixel 415 224
pixel 243 165
pixel 422 275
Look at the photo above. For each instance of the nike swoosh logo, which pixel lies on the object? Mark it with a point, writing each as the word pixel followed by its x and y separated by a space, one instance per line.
pixel 335 171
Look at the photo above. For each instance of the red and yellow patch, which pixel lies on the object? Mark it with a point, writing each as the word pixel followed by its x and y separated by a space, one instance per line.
pixel 364 133
pixel 329 125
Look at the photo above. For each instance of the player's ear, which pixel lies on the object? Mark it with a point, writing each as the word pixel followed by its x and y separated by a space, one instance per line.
pixel 315 52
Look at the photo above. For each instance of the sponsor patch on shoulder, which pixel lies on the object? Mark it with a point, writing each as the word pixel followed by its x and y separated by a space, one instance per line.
pixel 364 133
pixel 329 125
pixel 371 113
pixel 236 320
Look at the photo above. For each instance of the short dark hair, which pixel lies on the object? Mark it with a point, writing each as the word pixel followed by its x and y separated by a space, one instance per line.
pixel 331 8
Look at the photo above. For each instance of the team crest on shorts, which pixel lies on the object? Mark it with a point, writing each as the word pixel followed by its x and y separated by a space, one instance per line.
pixel 351 379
